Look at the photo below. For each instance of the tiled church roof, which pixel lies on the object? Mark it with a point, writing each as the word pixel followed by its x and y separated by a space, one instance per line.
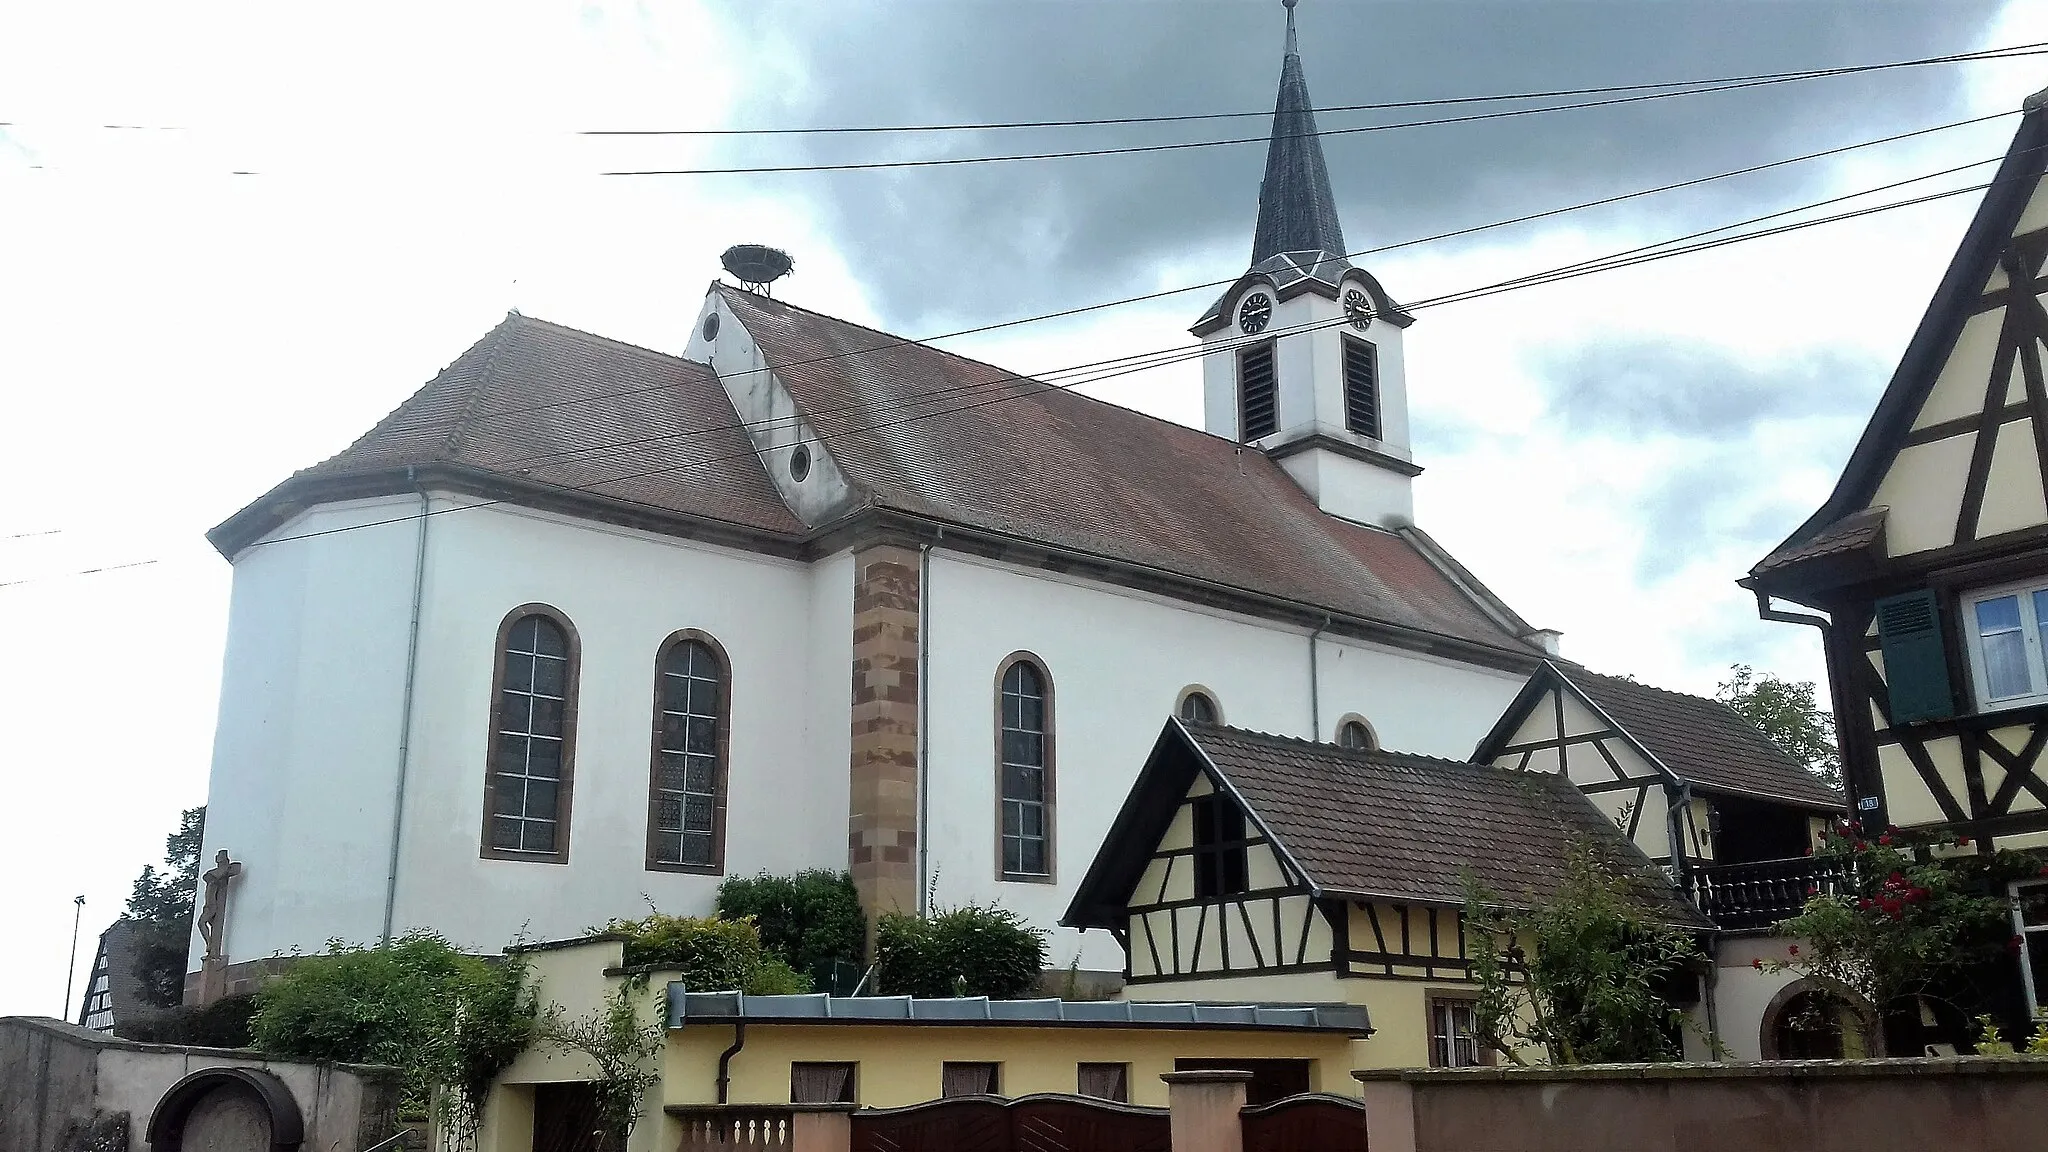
pixel 551 410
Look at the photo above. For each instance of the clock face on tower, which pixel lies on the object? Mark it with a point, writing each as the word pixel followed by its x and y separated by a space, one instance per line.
pixel 1357 308
pixel 1254 313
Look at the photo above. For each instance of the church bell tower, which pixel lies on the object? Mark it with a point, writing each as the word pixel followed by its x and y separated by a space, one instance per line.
pixel 1305 348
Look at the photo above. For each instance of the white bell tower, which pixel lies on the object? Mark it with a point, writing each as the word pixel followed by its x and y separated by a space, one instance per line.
pixel 1306 362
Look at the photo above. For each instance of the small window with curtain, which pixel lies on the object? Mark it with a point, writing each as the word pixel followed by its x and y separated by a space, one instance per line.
pixel 1024 754
pixel 1362 387
pixel 976 1078
pixel 1197 706
pixel 817 1082
pixel 686 826
pixel 1105 1081
pixel 1220 865
pixel 1258 412
pixel 2002 628
pixel 1452 1040
pixel 526 808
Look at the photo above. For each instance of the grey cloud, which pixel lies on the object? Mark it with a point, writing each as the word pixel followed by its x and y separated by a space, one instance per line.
pixel 1639 387
pixel 980 241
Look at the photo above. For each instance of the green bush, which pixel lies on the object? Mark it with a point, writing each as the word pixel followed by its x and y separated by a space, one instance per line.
pixel 972 950
pixel 447 1020
pixel 810 919
pixel 712 954
pixel 221 1024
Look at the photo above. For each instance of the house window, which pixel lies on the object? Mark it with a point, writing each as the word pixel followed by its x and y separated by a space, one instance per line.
pixel 1105 1081
pixel 1219 847
pixel 526 808
pixel 821 1083
pixel 2002 629
pixel 1197 707
pixel 1452 1043
pixel 1362 387
pixel 1258 414
pixel 686 795
pixel 1024 766
pixel 1354 734
pixel 2030 919
pixel 958 1078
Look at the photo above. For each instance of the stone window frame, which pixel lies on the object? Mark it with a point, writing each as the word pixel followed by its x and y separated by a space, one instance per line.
pixel 1050 771
pixel 1180 702
pixel 565 789
pixel 1767 1032
pixel 1372 736
pixel 722 787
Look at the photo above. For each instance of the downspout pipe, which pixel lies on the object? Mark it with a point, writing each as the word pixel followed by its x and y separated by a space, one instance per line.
pixel 1315 694
pixel 739 1041
pixel 412 659
pixel 924 728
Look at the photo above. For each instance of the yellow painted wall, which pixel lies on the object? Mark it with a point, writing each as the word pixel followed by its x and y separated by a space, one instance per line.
pixel 900 1064
pixel 1908 800
pixel 1924 490
pixel 2013 497
pixel 1959 390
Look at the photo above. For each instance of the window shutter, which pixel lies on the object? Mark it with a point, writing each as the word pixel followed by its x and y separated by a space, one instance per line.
pixel 1915 666
pixel 1258 415
pixel 1361 387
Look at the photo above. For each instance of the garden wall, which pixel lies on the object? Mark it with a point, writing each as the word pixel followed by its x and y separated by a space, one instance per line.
pixel 59 1081
pixel 1986 1104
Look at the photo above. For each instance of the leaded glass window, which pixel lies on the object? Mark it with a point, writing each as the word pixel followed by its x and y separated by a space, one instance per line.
pixel 1025 795
pixel 527 769
pixel 689 767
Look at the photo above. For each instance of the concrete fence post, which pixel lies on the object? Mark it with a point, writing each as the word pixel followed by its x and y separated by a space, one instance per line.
pixel 821 1129
pixel 1389 1113
pixel 1205 1109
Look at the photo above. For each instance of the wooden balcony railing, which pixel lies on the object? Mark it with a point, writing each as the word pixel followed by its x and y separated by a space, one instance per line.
pixel 1753 896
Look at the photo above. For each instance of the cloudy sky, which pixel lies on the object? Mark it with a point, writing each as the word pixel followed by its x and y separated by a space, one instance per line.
pixel 307 214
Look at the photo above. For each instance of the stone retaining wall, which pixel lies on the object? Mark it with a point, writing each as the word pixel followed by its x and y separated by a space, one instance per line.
pixel 1985 1104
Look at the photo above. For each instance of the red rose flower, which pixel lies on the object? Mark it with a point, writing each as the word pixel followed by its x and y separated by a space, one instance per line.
pixel 1794 950
pixel 1885 840
pixel 2044 869
pixel 1758 963
pixel 1963 842
pixel 2016 943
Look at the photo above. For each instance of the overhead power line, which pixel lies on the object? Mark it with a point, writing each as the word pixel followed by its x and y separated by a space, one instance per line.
pixel 80 572
pixel 1611 262
pixel 1064 313
pixel 1186 145
pixel 1386 106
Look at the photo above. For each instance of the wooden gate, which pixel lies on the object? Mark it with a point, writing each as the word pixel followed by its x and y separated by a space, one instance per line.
pixel 1047 1122
pixel 1314 1120
pixel 565 1119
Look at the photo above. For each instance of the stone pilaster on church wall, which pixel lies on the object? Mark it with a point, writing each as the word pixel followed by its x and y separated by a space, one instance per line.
pixel 882 815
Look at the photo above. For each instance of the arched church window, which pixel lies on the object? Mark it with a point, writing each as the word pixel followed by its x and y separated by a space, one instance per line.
pixel 1197 707
pixel 1355 734
pixel 1024 755
pixel 686 790
pixel 532 739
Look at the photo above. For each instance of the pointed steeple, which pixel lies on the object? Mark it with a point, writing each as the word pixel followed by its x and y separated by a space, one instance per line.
pixel 1297 210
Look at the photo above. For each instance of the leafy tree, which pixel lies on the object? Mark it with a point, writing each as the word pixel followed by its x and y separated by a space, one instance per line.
pixel 160 904
pixel 711 953
pixel 810 919
pixel 972 950
pixel 1788 714
pixel 451 1022
pixel 1582 977
pixel 1906 915
pixel 624 1046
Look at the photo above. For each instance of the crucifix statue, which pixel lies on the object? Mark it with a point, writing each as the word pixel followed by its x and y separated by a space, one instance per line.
pixel 213 911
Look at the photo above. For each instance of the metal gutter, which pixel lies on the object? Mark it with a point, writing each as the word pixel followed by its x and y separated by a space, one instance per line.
pixel 412 659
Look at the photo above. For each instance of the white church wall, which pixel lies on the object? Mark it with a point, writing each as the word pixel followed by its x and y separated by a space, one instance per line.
pixel 625 592
pixel 306 744
pixel 1118 661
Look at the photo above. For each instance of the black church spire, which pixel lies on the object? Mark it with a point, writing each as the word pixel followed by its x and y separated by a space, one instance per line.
pixel 1297 210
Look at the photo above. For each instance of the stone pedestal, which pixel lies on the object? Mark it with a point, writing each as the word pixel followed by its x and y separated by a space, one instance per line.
pixel 1206 1107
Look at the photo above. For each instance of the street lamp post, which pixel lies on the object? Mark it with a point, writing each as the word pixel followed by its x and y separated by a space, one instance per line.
pixel 71 969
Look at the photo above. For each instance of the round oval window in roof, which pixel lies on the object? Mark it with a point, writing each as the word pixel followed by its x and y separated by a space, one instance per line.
pixel 1353 734
pixel 711 326
pixel 799 463
pixel 1197 707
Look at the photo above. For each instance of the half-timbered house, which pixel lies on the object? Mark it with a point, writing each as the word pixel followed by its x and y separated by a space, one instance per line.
pixel 1929 560
pixel 1700 790
pixel 1268 868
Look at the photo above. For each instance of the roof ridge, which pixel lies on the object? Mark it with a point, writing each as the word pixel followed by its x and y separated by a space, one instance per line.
pixel 494 343
pixel 1066 389
pixel 1368 755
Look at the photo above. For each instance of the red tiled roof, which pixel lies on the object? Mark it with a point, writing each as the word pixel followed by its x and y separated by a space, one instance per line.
pixel 1705 742
pixel 1412 827
pixel 932 433
pixel 1854 531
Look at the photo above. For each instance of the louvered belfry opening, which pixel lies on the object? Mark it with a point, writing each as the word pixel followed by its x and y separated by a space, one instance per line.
pixel 1258 412
pixel 1362 387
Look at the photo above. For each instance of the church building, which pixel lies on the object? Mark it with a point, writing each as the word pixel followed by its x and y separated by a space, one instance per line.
pixel 583 627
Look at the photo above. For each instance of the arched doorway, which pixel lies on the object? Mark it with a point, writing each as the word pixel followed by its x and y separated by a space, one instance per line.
pixel 1818 1020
